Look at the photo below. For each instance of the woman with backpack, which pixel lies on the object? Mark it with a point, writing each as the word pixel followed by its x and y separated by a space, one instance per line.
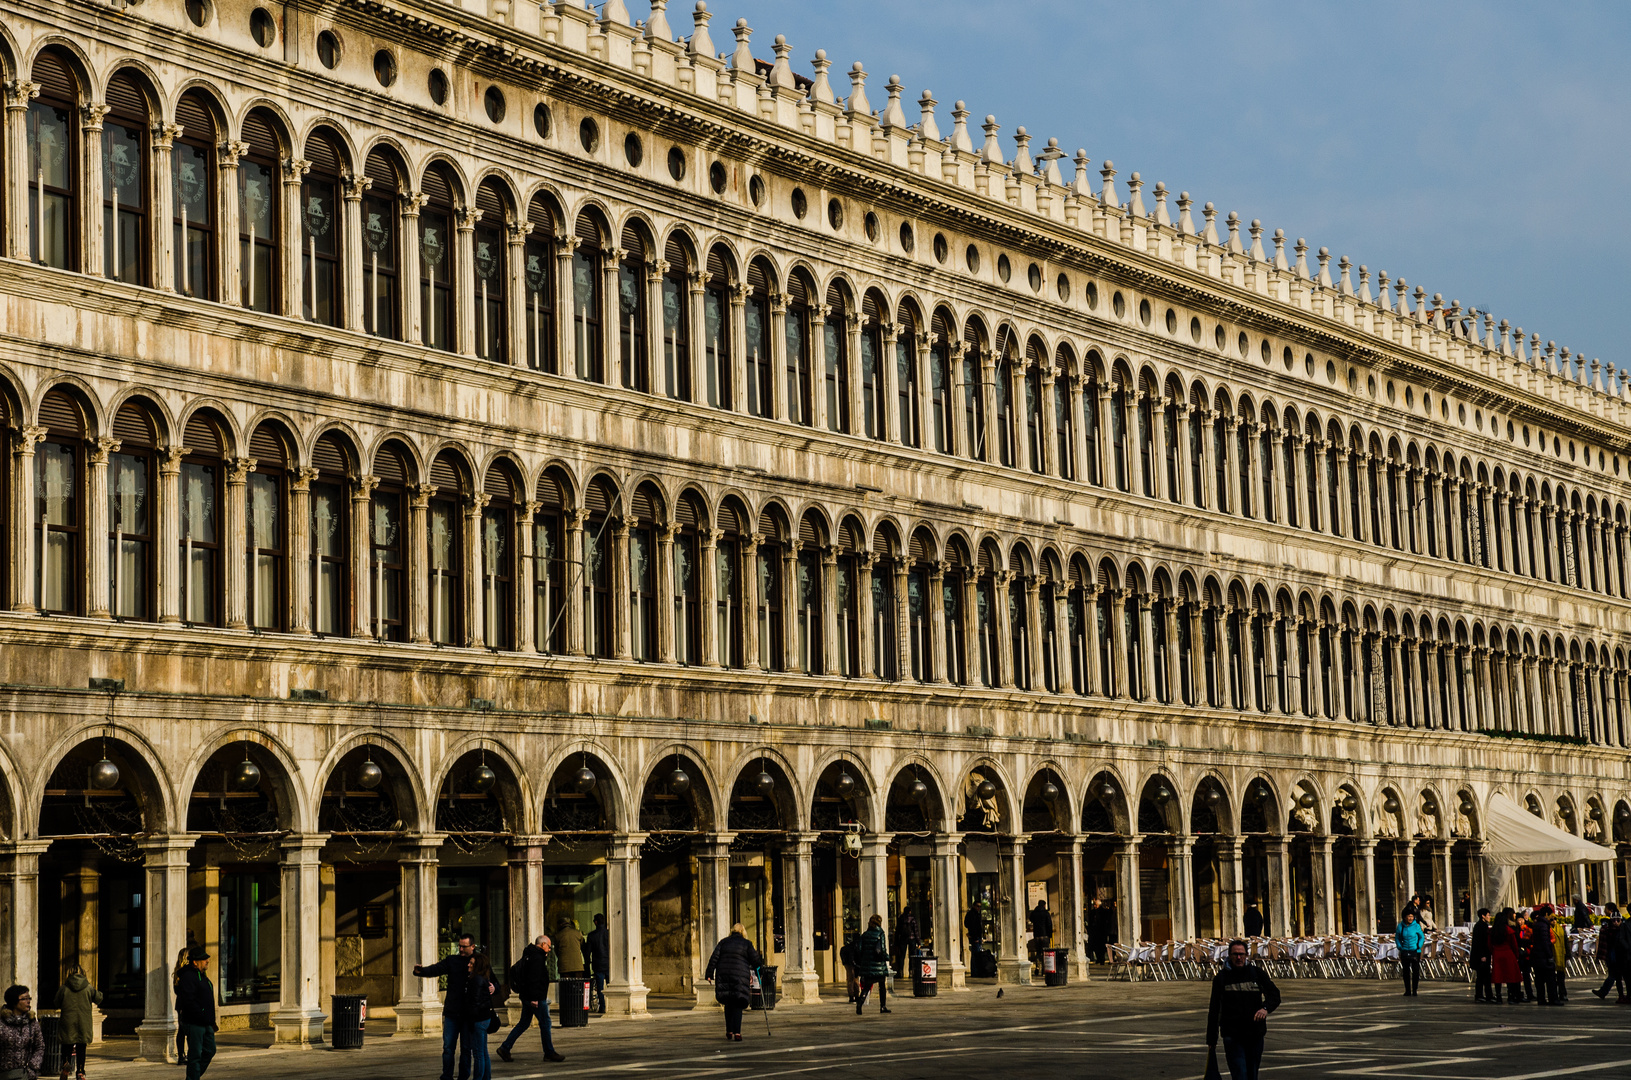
pixel 872 964
pixel 730 969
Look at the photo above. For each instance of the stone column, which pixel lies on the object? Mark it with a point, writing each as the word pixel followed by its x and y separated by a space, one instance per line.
pixel 1231 887
pixel 20 943
pixel 1048 433
pixel 713 854
pixel 565 305
pixel 903 622
pixel 625 987
pixel 574 583
pixel 96 529
pixel 865 566
pixel 828 662
pixel 1404 871
pixel 988 396
pixel 874 877
pixel 351 260
pixel 1078 430
pixel 935 664
pixel 800 981
pixel 164 858
pixel 739 347
pixel 234 536
pixel 857 414
pixel 750 606
pixel 18 226
pixel 527 916
pixel 515 242
pixel 161 241
pixel 1129 920
pixel 1324 885
pixel 708 579
pixel 170 570
pixel 1146 649
pixel 1365 886
pixel 1118 640
pixel 971 628
pixel 1299 463
pixel 665 593
pixel 1349 527
pixel 1278 849
pixel 1254 453
pixel 1442 877
pixel 1090 600
pixel 300 549
pixel 417 1008
pixel 1206 494
pixel 1158 444
pixel 1013 961
pixel 419 496
pixel 1181 885
pixel 620 606
pixel 1005 631
pixel 1072 904
pixel 299 1017
pixel 1033 621
pixel 1253 662
pixel 790 607
pixel 361 556
pixel 410 269
pixel 948 910
pixel 780 407
pixel 524 537
pixel 464 278
pixel 290 248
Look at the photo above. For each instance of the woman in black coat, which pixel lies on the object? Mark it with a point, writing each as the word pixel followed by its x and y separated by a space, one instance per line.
pixel 729 969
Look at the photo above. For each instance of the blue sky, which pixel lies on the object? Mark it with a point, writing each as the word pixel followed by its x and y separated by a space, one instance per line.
pixel 1467 146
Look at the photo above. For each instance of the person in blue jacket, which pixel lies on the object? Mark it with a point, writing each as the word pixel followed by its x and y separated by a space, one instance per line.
pixel 1410 938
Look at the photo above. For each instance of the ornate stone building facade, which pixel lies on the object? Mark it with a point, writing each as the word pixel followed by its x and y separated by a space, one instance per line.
pixel 477 466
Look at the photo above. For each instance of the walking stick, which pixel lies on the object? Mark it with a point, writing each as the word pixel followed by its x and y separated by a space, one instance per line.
pixel 764 1001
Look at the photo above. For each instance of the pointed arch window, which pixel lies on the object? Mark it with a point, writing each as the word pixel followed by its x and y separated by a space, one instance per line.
pixel 1146 447
pixel 53 165
pixel 953 589
pixel 1076 616
pixel 1243 464
pixel 643 578
pixel 1002 398
pixel 320 228
pixel 807 612
pixel 126 146
pixel 940 393
pixel 771 652
pixel 919 615
pixel 1019 629
pixel 885 628
pixel 835 360
pixel 1033 418
pixel 597 573
pixel 192 179
pixel 1050 638
pixel 973 404
pixel 847 597
pixel 873 403
pixel 1267 443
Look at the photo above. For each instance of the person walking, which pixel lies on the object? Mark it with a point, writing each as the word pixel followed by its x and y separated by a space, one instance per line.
pixel 530 978
pixel 22 1043
pixel 599 944
pixel 569 949
pixel 1408 936
pixel 457 969
pixel 907 936
pixel 730 969
pixel 1503 960
pixel 1243 996
pixel 1609 954
pixel 1480 958
pixel 74 1001
pixel 195 1008
pixel 872 964
pixel 1543 956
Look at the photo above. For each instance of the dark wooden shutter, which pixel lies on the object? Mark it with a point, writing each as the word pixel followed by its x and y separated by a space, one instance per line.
pixel 61 415
pixel 133 426
pixel 330 457
pixel 266 447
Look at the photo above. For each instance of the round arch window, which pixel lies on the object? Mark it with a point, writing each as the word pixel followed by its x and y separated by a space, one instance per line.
pixel 384 67
pixel 328 49
pixel 438 86
pixel 972 257
pixel 541 120
pixel 493 102
pixel 835 213
pixel 589 134
pixel 1005 269
pixel 908 240
pixel 718 177
pixel 262 27
pixel 633 151
pixel 676 163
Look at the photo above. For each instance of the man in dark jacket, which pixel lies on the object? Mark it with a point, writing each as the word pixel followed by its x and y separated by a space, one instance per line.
pixel 731 969
pixel 530 977
pixel 598 951
pixel 1041 931
pixel 1481 957
pixel 195 1008
pixel 906 939
pixel 1095 933
pixel 1242 997
pixel 1255 923
pixel 457 968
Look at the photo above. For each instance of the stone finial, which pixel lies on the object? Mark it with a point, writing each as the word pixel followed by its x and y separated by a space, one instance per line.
pixel 992 150
pixel 1506 338
pixel 1107 190
pixel 1186 221
pixel 1534 348
pixel 1257 253
pixel 1161 216
pixel 1436 316
pixel 1135 200
pixel 781 73
pixel 1383 297
pixel 614 12
pixel 742 56
pixel 821 89
pixel 1023 165
pixel 858 104
pixel 959 129
pixel 1364 284
pixel 1082 185
pixel 657 28
pixel 1325 267
pixel 893 115
pixel 1518 347
pixel 1491 342
pixel 1596 382
pixel 927 127
pixel 1234 234
pixel 1345 284
pixel 1403 290
pixel 1551 355
pixel 701 43
pixel 1280 262
pixel 1421 302
pixel 1210 234
pixel 1302 259
pixel 1050 164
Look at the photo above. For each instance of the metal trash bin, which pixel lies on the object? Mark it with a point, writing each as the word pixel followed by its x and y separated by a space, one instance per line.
pixel 348 1013
pixel 762 989
pixel 574 1008
pixel 1055 967
pixel 925 975
pixel 51 1028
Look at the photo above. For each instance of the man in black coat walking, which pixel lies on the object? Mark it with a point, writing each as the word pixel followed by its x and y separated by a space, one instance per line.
pixel 1242 997
pixel 530 977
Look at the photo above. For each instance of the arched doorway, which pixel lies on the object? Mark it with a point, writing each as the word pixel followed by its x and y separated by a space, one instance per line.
pixel 1214 855
pixel 1163 877
pixel 843 849
pixel 683 901
pixel 1111 911
pixel 995 881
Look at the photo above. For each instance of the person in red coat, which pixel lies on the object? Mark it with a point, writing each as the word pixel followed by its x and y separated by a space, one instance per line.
pixel 1503 958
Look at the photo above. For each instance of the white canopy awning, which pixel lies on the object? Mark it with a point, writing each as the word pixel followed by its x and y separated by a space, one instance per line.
pixel 1515 837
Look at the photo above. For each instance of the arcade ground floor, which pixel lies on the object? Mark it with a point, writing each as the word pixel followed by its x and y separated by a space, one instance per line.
pixel 319 849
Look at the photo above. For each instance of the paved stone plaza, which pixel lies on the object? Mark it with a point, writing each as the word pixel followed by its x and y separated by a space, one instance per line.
pixel 1104 1030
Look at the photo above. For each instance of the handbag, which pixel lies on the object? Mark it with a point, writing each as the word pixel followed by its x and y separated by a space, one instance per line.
pixel 1212 1064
